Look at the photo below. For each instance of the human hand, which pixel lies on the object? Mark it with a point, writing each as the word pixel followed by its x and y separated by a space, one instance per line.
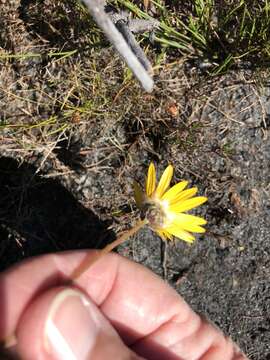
pixel 117 309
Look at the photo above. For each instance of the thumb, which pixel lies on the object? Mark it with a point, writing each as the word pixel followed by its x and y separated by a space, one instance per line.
pixel 63 323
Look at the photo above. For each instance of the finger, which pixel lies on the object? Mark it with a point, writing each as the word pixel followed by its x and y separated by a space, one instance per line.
pixel 191 339
pixel 127 292
pixel 138 303
pixel 63 323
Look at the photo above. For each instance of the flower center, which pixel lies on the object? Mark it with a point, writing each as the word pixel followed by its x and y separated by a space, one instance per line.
pixel 153 212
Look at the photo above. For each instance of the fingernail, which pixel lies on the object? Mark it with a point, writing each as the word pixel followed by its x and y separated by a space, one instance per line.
pixel 70 329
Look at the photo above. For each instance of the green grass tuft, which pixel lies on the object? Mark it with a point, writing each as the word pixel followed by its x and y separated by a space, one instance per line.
pixel 227 33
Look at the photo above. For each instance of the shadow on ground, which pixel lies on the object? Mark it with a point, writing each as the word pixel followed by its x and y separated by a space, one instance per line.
pixel 38 215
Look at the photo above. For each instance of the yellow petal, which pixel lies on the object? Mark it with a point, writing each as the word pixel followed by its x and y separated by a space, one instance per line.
pixel 195 229
pixel 151 180
pixel 138 194
pixel 164 182
pixel 188 219
pixel 184 195
pixel 180 233
pixel 190 227
pixel 163 234
pixel 173 192
pixel 187 204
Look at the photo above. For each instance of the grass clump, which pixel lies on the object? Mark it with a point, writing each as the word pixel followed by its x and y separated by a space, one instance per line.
pixel 226 33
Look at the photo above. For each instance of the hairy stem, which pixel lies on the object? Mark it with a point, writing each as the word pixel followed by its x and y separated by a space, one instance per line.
pixel 91 259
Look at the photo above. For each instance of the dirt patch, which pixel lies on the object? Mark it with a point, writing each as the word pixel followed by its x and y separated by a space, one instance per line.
pixel 80 129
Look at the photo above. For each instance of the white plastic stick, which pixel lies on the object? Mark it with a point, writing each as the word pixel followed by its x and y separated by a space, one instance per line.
pixel 115 37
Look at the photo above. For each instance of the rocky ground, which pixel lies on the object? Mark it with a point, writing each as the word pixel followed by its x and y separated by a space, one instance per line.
pixel 76 129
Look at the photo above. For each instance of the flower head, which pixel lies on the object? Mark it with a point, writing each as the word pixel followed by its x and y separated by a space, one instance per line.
pixel 165 209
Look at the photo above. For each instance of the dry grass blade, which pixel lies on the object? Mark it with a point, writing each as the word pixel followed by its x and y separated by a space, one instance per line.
pixel 146 4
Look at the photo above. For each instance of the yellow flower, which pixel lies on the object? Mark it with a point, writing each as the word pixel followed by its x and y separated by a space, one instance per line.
pixel 165 208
